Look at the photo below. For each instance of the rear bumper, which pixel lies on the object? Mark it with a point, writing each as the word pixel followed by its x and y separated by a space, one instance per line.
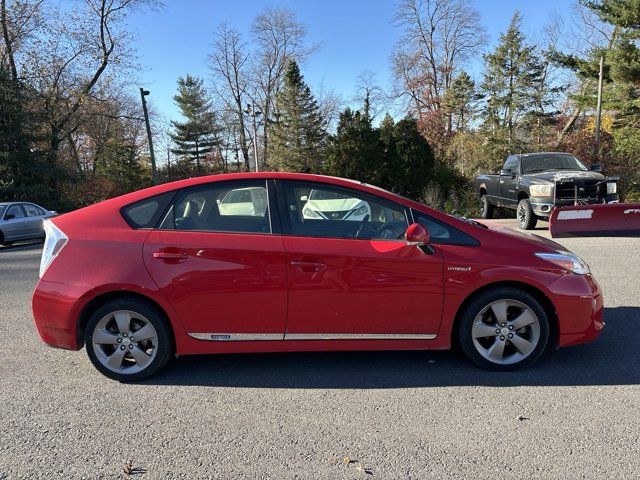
pixel 579 306
pixel 56 311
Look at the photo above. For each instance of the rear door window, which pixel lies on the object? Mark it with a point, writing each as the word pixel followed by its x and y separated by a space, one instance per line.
pixel 32 210
pixel 226 207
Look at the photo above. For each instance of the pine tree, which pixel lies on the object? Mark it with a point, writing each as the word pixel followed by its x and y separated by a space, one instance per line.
pixel 298 136
pixel 197 135
pixel 621 63
pixel 512 74
pixel 356 151
pixel 118 162
pixel 460 100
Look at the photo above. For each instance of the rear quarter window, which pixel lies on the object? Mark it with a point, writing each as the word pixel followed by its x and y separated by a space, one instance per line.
pixel 146 213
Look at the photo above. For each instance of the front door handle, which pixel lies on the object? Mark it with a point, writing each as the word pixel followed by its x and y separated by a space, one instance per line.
pixel 308 265
pixel 176 256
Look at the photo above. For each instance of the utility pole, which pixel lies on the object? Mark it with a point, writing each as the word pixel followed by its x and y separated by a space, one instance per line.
pixel 599 108
pixel 154 170
pixel 254 113
pixel 168 164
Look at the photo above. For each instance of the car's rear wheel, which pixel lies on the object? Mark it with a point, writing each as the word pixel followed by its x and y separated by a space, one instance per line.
pixel 503 329
pixel 128 340
pixel 486 208
pixel 526 218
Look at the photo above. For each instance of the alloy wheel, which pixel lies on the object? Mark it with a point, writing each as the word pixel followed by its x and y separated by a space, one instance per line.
pixel 125 342
pixel 506 332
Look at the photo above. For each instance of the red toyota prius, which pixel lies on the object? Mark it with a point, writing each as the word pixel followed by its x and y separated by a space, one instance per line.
pixel 273 262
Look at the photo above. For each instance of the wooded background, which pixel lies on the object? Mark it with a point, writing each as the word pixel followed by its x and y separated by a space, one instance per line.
pixel 72 131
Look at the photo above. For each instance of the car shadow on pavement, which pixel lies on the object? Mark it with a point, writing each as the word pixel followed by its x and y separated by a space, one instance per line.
pixel 18 246
pixel 612 360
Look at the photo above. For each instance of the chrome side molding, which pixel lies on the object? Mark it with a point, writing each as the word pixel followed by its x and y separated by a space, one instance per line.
pixel 253 337
pixel 237 337
pixel 360 336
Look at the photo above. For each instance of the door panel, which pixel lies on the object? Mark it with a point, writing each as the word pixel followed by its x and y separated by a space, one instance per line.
pixel 15 228
pixel 342 287
pixel 221 283
pixel 33 221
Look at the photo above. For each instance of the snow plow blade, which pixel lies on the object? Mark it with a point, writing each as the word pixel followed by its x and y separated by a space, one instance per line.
pixel 601 220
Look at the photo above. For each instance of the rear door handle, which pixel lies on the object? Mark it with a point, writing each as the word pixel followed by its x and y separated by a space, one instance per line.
pixel 179 256
pixel 308 265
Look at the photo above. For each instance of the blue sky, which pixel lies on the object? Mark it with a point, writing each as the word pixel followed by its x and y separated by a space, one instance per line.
pixel 354 35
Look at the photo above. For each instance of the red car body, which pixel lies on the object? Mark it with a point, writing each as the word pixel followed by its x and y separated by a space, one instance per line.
pixel 282 292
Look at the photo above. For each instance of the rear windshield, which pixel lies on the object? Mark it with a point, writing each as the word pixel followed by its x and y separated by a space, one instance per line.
pixel 146 213
pixel 550 162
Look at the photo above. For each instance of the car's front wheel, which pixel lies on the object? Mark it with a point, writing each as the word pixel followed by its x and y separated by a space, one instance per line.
pixel 128 340
pixel 503 329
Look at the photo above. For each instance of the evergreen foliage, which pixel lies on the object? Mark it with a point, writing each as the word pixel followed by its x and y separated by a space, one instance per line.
pixel 513 72
pixel 298 137
pixel 198 135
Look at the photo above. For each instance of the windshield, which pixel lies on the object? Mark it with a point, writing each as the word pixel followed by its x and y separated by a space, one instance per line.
pixel 327 195
pixel 2 207
pixel 552 161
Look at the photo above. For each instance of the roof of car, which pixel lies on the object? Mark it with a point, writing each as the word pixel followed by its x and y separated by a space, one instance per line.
pixel 545 153
pixel 190 182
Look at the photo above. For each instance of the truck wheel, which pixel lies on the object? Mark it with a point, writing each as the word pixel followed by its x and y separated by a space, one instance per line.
pixel 486 208
pixel 526 218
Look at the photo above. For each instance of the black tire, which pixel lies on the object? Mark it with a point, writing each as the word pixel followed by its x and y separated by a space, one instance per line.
pixel 486 208
pixel 164 347
pixel 524 213
pixel 479 304
pixel 2 242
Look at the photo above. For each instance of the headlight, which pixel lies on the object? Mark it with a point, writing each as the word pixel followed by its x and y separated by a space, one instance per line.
pixel 308 213
pixel 566 260
pixel 540 190
pixel 360 211
pixel 612 187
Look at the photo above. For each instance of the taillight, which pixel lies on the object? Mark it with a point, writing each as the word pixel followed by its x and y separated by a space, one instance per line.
pixel 55 240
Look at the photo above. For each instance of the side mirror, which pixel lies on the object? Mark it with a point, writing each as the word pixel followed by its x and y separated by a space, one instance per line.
pixel 416 235
pixel 596 167
pixel 9 216
pixel 304 198
pixel 507 173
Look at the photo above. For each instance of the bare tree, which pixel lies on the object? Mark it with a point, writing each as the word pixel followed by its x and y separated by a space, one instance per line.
pixel 370 95
pixel 18 21
pixel 438 35
pixel 71 55
pixel 279 37
pixel 330 104
pixel 229 63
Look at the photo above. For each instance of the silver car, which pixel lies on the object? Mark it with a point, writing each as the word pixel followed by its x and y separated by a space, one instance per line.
pixel 22 221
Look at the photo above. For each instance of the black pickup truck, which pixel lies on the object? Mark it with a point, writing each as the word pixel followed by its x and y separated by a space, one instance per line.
pixel 534 184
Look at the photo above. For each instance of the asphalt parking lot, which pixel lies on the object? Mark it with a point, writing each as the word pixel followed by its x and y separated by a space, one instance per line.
pixel 574 414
